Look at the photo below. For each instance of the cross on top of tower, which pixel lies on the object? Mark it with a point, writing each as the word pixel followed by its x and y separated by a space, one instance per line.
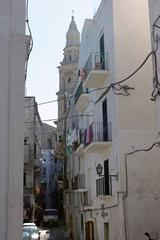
pixel 72 14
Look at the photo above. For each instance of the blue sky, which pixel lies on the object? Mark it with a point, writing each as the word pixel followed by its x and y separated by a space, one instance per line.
pixel 49 22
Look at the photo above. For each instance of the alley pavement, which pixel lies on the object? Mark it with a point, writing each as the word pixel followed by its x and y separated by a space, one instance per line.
pixel 54 233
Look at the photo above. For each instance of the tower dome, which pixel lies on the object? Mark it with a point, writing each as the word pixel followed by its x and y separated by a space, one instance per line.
pixel 73 35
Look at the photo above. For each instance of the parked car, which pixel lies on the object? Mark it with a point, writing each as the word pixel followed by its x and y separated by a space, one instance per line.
pixel 30 231
pixel 50 216
pixel 26 235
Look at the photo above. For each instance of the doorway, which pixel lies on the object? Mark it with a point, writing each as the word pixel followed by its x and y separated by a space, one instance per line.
pixel 89 227
pixel 102 51
pixel 106 231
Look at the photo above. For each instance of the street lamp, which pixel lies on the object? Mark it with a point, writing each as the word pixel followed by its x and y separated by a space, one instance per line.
pixel 148 235
pixel 99 170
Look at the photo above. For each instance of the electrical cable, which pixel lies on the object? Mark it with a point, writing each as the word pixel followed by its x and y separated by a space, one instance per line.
pixel 31 38
pixel 130 153
pixel 47 102
pixel 112 86
pixel 155 23
pixel 156 90
pixel 56 119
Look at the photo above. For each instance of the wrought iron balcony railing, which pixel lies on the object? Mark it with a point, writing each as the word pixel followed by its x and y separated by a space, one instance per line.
pixel 103 187
pixel 98 132
pixel 78 182
pixel 96 61
pixel 80 90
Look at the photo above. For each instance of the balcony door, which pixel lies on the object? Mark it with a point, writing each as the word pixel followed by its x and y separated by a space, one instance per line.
pixel 102 51
pixel 106 177
pixel 105 120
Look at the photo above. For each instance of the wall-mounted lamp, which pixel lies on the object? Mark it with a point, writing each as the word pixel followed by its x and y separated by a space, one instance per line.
pixel 99 170
pixel 148 235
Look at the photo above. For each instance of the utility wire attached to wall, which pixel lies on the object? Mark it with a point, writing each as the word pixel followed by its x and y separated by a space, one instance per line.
pixel 31 38
pixel 155 40
pixel 156 144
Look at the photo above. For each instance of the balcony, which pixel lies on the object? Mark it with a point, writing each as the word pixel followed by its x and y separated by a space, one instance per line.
pixel 78 183
pixel 98 138
pixel 96 71
pixel 81 98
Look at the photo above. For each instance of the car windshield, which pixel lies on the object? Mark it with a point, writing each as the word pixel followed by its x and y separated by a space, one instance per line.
pixel 50 212
pixel 31 230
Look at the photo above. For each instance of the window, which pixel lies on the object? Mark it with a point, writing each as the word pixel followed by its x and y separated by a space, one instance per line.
pixel 102 52
pixel 49 140
pixel 106 178
pixel 35 150
pixel 69 80
pixel 105 120
pixel 82 223
pixel 106 231
pixel 103 186
pixel 24 179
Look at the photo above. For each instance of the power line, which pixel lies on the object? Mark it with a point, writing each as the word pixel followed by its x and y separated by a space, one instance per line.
pixel 59 119
pixel 109 87
pixel 156 90
pixel 43 103
pixel 135 151
pixel 155 23
pixel 125 88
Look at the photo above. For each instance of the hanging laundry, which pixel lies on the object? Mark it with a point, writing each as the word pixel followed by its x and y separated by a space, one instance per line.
pixel 89 135
pixel 69 149
pixel 74 136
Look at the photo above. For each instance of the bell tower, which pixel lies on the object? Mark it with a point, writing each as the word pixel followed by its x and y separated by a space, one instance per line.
pixel 68 73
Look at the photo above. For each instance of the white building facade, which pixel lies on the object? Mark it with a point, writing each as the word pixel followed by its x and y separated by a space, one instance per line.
pixel 32 156
pixel 12 80
pixel 118 129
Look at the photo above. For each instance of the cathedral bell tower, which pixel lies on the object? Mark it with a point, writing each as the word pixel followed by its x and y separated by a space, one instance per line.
pixel 68 73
